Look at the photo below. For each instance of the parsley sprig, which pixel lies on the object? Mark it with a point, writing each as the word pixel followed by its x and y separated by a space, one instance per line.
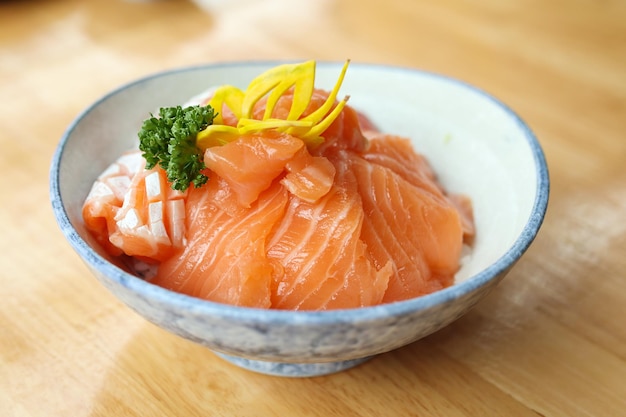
pixel 170 141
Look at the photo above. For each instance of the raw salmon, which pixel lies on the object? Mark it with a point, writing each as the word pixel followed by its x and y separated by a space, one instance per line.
pixel 397 154
pixel 225 259
pixel 251 163
pixel 419 232
pixel 357 221
pixel 325 264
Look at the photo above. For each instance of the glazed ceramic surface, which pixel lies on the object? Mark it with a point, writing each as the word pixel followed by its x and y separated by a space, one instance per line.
pixel 476 145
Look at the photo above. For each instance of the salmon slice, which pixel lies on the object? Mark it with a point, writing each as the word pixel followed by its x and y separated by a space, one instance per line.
pixel 344 133
pixel 418 231
pixel 224 259
pixel 252 162
pixel 465 208
pixel 281 252
pixel 308 177
pixel 325 264
pixel 397 154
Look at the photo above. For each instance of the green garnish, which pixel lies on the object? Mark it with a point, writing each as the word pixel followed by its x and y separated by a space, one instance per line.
pixel 170 141
pixel 176 140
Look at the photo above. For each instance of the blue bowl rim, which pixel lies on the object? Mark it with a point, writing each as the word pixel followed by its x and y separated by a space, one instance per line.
pixel 247 314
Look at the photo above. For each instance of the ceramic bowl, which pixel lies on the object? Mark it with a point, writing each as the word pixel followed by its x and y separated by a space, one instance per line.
pixel 476 144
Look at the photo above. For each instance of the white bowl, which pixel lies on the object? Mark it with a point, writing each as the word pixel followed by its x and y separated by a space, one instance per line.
pixel 477 145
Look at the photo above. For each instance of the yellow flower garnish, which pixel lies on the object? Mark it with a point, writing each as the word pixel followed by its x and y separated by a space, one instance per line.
pixel 273 84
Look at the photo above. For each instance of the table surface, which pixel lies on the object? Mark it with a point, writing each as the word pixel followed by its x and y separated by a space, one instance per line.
pixel 549 341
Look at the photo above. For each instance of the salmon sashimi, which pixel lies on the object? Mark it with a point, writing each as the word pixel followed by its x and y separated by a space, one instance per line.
pixel 251 163
pixel 308 177
pixel 318 210
pixel 325 263
pixel 225 259
pixel 418 231
pixel 397 154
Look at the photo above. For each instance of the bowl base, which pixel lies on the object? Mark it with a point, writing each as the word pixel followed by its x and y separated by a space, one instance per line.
pixel 294 370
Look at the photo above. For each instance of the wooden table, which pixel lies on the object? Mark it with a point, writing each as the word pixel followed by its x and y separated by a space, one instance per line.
pixel 550 341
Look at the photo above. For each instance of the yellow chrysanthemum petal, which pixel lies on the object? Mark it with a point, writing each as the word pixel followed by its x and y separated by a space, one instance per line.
pixel 274 83
pixel 318 114
pixel 253 125
pixel 216 135
pixel 327 121
pixel 230 96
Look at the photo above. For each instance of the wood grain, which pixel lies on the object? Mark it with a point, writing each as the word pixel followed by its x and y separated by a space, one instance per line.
pixel 549 341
